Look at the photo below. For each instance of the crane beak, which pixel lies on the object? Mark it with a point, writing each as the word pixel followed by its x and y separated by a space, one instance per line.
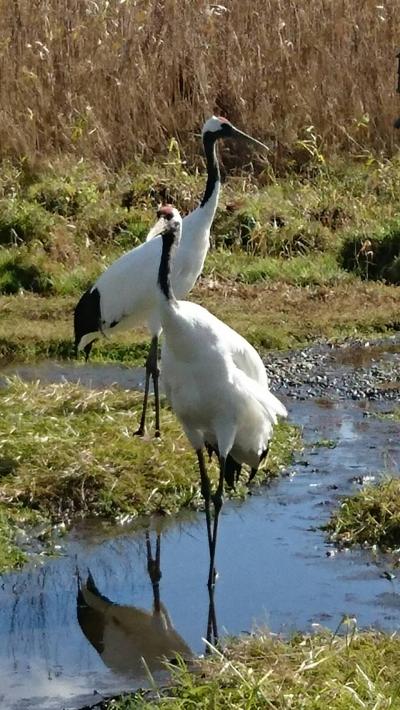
pixel 156 229
pixel 240 134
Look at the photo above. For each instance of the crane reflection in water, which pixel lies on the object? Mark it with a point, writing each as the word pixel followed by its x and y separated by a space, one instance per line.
pixel 129 639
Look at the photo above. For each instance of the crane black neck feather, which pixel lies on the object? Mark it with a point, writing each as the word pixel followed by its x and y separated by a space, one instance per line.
pixel 213 175
pixel 164 272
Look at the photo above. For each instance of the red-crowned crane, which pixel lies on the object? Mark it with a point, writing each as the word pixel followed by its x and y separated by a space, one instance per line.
pixel 215 382
pixel 125 294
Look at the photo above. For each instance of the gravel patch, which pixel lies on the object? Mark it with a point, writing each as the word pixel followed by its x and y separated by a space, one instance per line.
pixel 352 370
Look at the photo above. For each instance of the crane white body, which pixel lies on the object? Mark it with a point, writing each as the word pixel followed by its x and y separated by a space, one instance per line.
pixel 216 383
pixel 127 288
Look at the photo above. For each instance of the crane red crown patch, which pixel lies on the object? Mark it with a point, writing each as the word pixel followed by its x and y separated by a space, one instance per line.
pixel 165 211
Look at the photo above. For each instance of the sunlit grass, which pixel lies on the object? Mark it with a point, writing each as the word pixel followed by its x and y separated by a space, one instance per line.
pixel 301 270
pixel 371 517
pixel 73 451
pixel 301 232
pixel 278 246
pixel 357 670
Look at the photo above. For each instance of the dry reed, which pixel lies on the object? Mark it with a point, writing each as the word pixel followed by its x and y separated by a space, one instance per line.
pixel 115 79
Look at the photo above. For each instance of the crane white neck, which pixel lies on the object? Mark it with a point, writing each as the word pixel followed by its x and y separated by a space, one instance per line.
pixel 211 193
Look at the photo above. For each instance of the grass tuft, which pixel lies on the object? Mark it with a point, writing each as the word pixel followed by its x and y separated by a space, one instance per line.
pixel 375 256
pixel 20 272
pixel 357 670
pixel 22 221
pixel 10 554
pixel 371 517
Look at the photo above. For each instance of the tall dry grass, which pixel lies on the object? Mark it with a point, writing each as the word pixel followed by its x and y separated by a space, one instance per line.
pixel 113 79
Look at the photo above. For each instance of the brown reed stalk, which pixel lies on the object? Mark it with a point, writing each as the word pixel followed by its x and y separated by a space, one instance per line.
pixel 116 79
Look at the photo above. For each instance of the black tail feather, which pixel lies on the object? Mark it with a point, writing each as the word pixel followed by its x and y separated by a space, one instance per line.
pixel 87 318
pixel 254 470
pixel 232 471
pixel 87 350
pixel 232 468
pixel 252 474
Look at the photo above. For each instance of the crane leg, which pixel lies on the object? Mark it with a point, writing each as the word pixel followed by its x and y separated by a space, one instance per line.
pixel 153 568
pixel 151 371
pixel 212 629
pixel 205 492
pixel 142 425
pixel 156 375
pixel 217 500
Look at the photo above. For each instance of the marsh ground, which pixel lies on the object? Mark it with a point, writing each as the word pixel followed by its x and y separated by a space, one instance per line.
pixel 294 262
pixel 294 578
pixel 305 248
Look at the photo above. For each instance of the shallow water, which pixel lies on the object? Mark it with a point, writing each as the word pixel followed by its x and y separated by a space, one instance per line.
pixel 87 374
pixel 275 568
pixel 365 354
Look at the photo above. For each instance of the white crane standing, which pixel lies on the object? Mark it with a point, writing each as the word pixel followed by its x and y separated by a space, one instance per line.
pixel 214 380
pixel 125 295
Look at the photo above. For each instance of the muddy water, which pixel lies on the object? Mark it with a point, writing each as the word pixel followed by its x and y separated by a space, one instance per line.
pixel 275 569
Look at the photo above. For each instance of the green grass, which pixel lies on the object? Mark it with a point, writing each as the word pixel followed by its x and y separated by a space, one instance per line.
pixel 282 316
pixel 10 554
pixel 279 243
pixel 66 451
pixel 23 532
pixel 75 217
pixel 22 221
pixel 394 415
pixel 19 271
pixel 322 269
pixel 371 517
pixel 357 670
